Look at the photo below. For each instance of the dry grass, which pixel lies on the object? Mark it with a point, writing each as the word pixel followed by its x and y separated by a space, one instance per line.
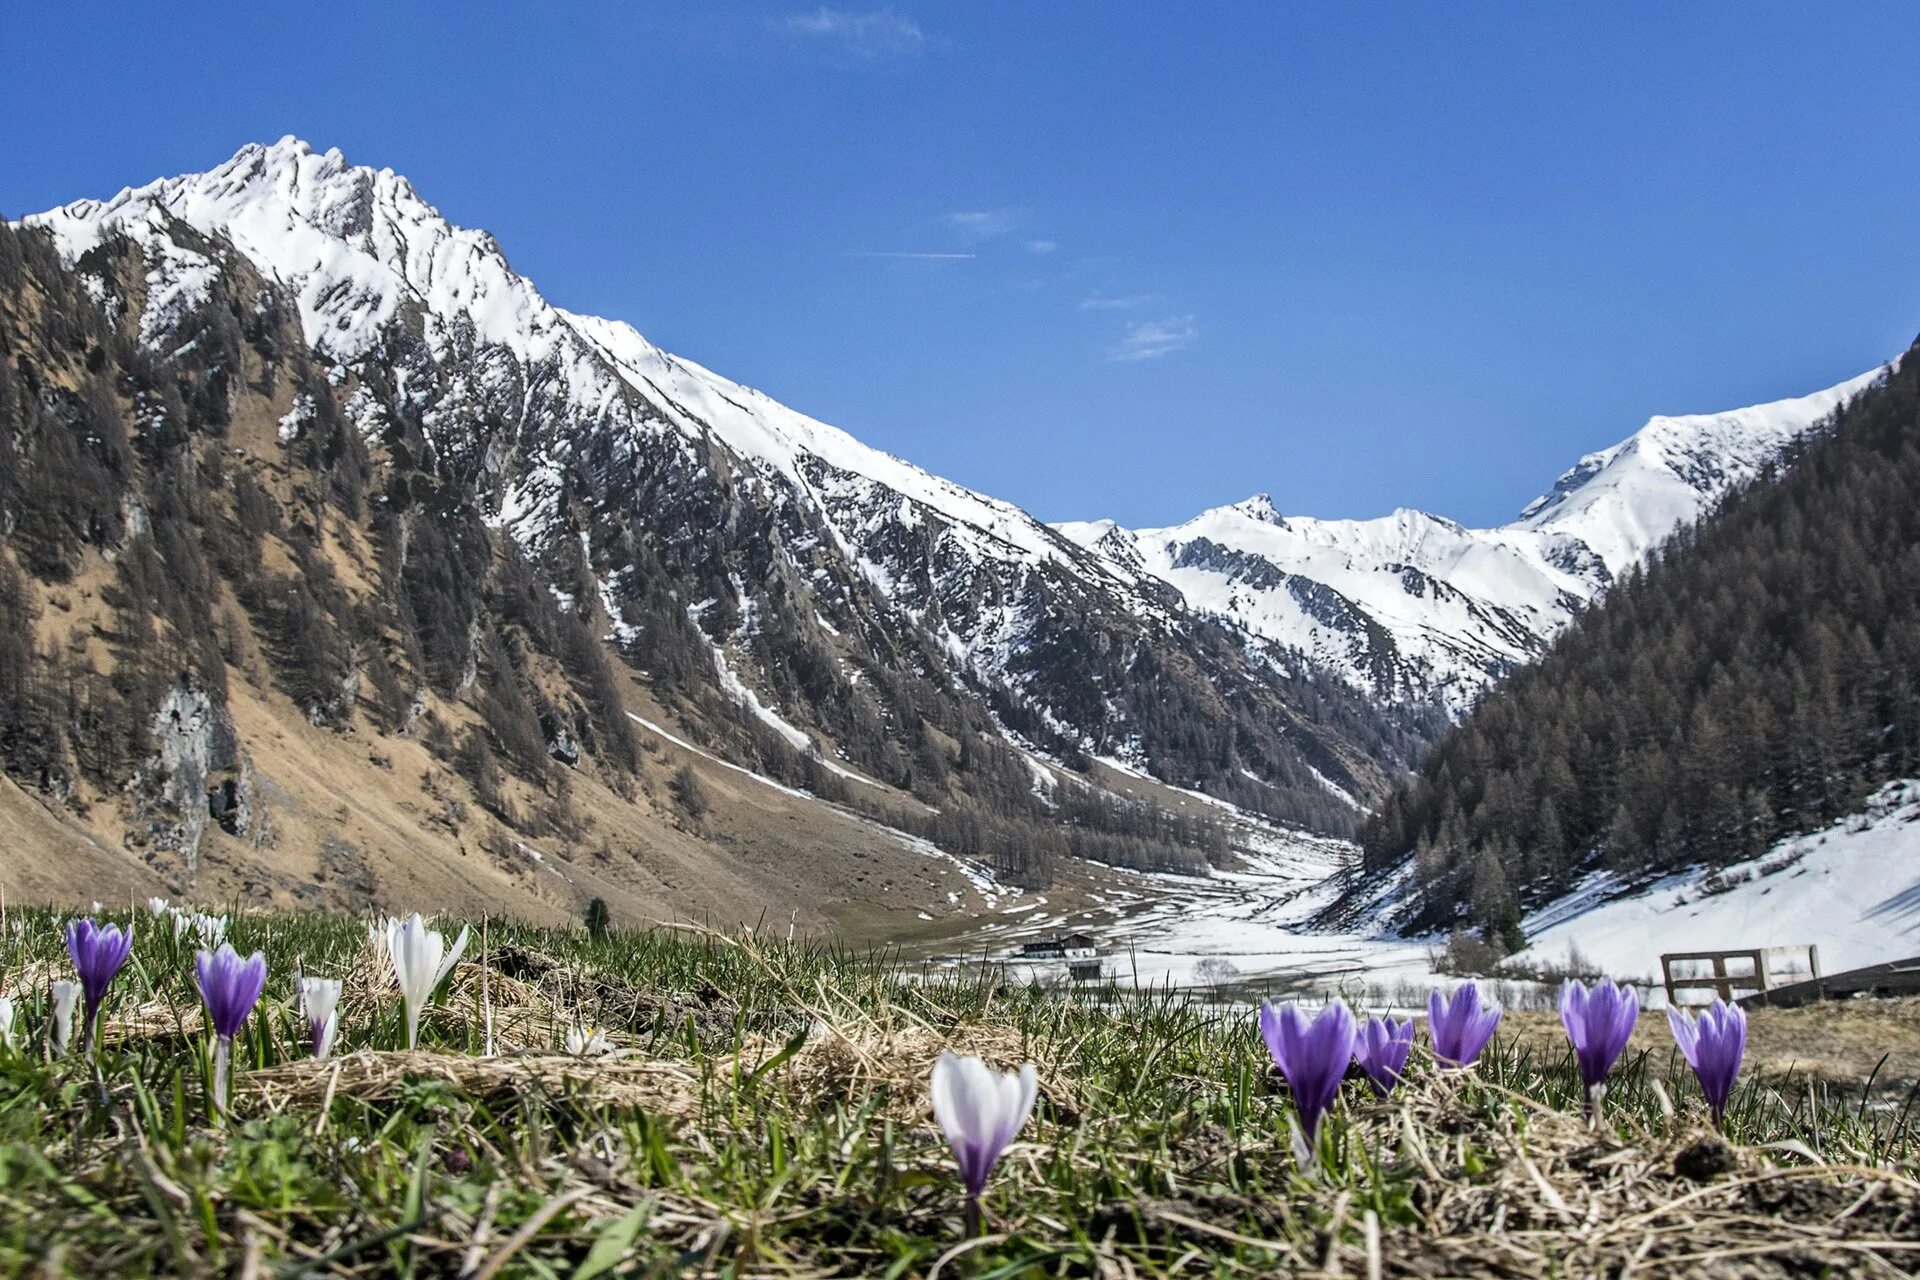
pixel 664 1088
pixel 1841 1043
pixel 1559 1198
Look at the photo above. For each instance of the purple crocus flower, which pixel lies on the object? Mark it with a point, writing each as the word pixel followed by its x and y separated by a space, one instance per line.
pixel 230 986
pixel 980 1110
pixel 1460 1026
pixel 1381 1049
pixel 1713 1047
pixel 1312 1055
pixel 98 952
pixel 1599 1022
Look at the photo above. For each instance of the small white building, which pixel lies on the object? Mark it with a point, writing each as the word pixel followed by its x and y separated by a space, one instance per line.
pixel 1066 946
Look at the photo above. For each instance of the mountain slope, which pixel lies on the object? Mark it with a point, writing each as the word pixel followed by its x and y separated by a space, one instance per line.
pixel 1075 654
pixel 1758 678
pixel 279 436
pixel 1851 888
pixel 1412 606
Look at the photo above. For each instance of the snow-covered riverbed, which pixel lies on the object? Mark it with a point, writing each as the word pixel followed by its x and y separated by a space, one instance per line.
pixel 1246 925
pixel 1852 890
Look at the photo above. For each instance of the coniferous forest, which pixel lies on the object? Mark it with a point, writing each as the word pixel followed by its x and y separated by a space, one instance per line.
pixel 1758 677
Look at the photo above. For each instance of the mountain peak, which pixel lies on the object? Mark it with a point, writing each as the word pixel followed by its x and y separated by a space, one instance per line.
pixel 1623 500
pixel 1259 507
pixel 354 244
pixel 289 147
pixel 1414 605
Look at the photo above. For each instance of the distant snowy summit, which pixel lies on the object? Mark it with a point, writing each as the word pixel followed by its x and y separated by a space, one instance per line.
pixel 1413 606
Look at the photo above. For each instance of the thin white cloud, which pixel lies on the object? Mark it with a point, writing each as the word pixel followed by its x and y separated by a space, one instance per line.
pixel 879 33
pixel 980 224
pixel 907 253
pixel 1127 302
pixel 1151 339
pixel 1041 248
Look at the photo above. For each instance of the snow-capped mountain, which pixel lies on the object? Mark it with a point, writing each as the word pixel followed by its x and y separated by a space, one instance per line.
pixel 1413 606
pixel 840 591
pixel 361 250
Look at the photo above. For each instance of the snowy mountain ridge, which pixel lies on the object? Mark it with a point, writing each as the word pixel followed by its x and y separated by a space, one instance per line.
pixel 359 245
pixel 1412 606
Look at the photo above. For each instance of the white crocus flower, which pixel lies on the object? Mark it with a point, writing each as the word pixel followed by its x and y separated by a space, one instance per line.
pixel 588 1042
pixel 65 996
pixel 421 961
pixel 156 906
pixel 6 1022
pixel 320 1003
pixel 208 931
pixel 981 1110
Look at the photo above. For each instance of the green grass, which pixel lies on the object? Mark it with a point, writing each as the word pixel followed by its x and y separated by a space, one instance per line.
pixel 784 1130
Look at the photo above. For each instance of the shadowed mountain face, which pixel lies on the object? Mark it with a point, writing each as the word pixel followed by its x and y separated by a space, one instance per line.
pixel 281 424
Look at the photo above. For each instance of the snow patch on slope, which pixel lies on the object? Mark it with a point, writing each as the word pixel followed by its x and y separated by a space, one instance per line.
pixel 1853 890
pixel 761 428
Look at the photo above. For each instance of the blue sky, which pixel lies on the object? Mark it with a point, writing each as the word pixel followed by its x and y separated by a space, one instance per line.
pixel 1359 257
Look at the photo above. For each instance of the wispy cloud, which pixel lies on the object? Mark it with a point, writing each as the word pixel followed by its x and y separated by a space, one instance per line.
pixel 1041 248
pixel 981 224
pixel 907 253
pixel 879 33
pixel 1126 302
pixel 1151 339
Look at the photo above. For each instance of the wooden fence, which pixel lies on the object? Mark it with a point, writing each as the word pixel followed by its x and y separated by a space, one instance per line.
pixel 1763 969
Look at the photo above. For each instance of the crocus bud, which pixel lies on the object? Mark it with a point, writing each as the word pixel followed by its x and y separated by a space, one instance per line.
pixel 980 1111
pixel 1313 1055
pixel 1713 1047
pixel 98 952
pixel 421 960
pixel 65 996
pixel 1599 1022
pixel 230 986
pixel 1381 1049
pixel 320 1004
pixel 1460 1026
